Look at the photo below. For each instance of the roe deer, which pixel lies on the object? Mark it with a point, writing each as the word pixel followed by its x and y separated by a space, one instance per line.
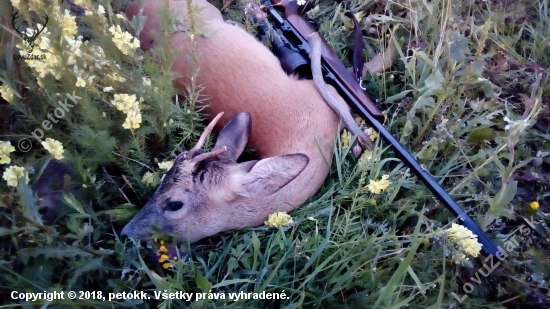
pixel 285 120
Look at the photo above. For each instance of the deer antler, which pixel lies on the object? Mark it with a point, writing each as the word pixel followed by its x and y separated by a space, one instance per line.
pixel 205 134
pixel 43 27
pixel 14 17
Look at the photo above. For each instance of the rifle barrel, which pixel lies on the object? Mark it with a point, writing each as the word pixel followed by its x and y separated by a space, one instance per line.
pixel 351 96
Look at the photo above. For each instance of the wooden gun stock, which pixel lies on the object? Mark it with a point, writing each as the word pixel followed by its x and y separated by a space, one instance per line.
pixel 290 10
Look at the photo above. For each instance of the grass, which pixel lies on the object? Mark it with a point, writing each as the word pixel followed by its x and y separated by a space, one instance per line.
pixel 484 66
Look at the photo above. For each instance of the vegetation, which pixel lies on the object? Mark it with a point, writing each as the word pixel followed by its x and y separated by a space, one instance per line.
pixel 468 95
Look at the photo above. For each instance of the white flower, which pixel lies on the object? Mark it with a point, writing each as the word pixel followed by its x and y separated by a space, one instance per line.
pixel 301 2
pixel 521 124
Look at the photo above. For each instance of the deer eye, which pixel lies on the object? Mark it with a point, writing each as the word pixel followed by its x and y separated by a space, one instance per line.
pixel 174 206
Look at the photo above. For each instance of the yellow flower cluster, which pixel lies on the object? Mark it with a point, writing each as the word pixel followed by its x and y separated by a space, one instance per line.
pixel 123 40
pixel 534 205
pixel 346 139
pixel 366 156
pixel 466 241
pixel 379 186
pixel 68 25
pixel 164 255
pixel 7 93
pixel 167 165
pixel 373 135
pixel 16 4
pixel 5 149
pixel 13 173
pixel 279 218
pixel 55 148
pixel 148 178
pixel 130 106
pixel 117 78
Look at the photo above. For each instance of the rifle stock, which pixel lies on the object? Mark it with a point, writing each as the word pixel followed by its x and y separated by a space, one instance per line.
pixel 290 9
pixel 337 75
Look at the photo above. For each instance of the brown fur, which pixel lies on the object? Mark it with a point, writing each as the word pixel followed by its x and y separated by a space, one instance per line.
pixel 288 117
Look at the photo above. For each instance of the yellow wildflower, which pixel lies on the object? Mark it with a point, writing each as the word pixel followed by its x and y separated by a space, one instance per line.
pixel 74 47
pixel 116 77
pixel 55 148
pixel 366 156
pixel 36 5
pixel 162 258
pixel 7 93
pixel 534 205
pixel 166 265
pixel 148 178
pixel 346 139
pixel 130 106
pixel 278 219
pixel 133 120
pixel 16 4
pixel 123 40
pixel 373 135
pixel 466 241
pixel 5 149
pixel 13 173
pixel 68 24
pixel 377 187
pixel 167 165
pixel 43 40
pixel 80 82
pixel 163 249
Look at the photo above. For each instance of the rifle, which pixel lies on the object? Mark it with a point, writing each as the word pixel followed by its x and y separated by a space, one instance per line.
pixel 290 45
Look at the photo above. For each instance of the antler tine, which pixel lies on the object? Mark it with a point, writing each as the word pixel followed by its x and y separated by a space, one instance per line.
pixel 206 132
pixel 211 154
pixel 14 17
pixel 43 26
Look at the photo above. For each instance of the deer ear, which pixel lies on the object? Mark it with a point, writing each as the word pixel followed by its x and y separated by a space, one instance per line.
pixel 267 176
pixel 234 136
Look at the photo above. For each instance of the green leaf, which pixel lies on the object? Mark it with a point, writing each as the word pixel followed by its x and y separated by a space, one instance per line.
pixel 398 96
pixel 458 46
pixel 202 283
pixel 5 231
pixel 51 252
pixel 122 212
pixel 498 204
pixel 256 244
pixel 71 201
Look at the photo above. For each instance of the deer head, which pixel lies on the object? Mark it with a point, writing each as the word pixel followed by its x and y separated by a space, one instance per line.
pixel 207 193
pixel 28 35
